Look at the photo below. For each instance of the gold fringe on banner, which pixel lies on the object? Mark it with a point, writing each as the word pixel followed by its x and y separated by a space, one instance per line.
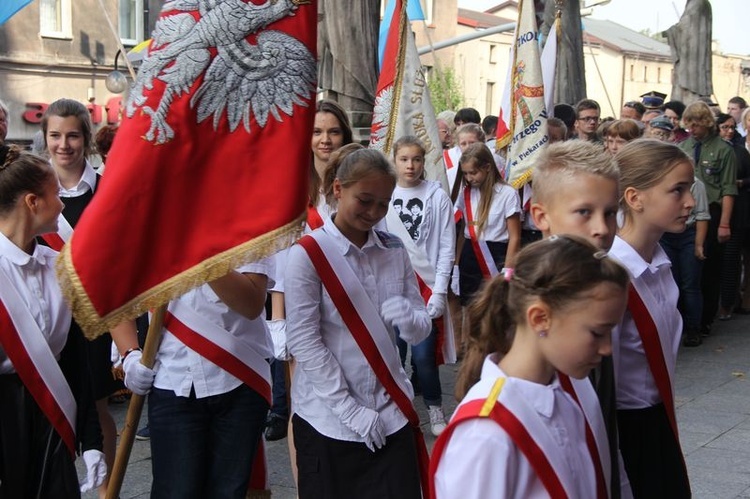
pixel 94 325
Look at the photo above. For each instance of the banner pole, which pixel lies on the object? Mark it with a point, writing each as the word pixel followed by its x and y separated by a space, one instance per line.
pixel 135 408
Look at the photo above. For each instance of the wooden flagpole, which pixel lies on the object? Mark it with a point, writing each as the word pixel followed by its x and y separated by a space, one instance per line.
pixel 127 436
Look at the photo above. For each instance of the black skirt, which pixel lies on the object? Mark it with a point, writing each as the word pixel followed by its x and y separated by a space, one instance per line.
pixel 34 461
pixel 471 277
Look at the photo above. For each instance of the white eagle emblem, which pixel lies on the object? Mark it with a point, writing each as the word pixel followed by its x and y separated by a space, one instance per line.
pixel 244 79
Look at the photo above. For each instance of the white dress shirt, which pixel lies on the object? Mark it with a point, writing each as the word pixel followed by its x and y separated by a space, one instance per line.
pixel 33 277
pixel 179 368
pixel 86 183
pixel 505 203
pixel 481 460
pixel 333 379
pixel 636 388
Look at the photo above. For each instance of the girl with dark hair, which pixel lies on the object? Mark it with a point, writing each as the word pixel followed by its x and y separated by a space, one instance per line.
pixel 45 415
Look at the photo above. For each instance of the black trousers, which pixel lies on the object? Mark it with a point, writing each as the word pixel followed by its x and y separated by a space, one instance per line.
pixel 711 277
pixel 651 454
pixel 333 469
pixel 34 462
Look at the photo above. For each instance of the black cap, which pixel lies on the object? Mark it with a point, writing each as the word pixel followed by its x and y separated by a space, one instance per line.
pixel 653 99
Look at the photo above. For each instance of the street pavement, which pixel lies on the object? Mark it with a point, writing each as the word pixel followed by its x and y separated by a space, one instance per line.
pixel 713 412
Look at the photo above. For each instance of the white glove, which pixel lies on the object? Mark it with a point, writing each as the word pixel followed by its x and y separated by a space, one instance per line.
pixel 277 327
pixel 366 423
pixel 396 311
pixel 96 469
pixel 454 281
pixel 138 378
pixel 436 305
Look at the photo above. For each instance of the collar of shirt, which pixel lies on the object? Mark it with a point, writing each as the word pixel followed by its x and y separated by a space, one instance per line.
pixel 19 257
pixel 634 262
pixel 540 397
pixel 343 244
pixel 86 183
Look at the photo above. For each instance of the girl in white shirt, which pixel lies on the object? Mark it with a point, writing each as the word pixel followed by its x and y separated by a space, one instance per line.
pixel 537 331
pixel 43 419
pixel 425 223
pixel 354 425
pixel 655 180
pixel 492 225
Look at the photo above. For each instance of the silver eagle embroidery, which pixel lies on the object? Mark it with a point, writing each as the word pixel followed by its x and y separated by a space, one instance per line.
pixel 244 79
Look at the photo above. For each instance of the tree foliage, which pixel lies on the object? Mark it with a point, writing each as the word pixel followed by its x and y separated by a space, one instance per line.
pixel 445 90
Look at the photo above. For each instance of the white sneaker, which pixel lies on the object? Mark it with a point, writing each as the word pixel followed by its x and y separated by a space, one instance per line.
pixel 437 419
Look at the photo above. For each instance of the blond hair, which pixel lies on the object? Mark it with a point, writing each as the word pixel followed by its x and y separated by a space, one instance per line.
pixel 644 163
pixel 562 162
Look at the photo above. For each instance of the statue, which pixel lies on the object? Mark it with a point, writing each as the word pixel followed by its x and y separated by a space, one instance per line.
pixel 690 44
pixel 570 77
pixel 348 55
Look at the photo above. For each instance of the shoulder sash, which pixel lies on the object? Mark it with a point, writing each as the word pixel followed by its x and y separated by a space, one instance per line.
pixel 509 421
pixel 215 344
pixel 367 328
pixel 56 240
pixel 27 348
pixel 481 250
pixel 314 220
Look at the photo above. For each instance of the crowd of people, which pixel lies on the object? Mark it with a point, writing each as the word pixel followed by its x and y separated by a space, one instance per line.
pixel 560 301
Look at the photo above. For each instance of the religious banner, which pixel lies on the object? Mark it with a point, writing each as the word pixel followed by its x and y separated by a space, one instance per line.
pixel 402 101
pixel 522 127
pixel 209 168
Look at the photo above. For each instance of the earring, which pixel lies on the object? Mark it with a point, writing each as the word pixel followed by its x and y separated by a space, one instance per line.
pixel 542 334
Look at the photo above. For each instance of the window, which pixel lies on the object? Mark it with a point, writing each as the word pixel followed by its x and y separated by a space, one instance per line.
pixel 493 53
pixel 54 19
pixel 131 21
pixel 658 75
pixel 632 72
pixel 427 10
pixel 645 74
pixel 489 106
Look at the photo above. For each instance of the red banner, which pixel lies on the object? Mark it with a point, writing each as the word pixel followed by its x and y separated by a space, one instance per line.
pixel 209 168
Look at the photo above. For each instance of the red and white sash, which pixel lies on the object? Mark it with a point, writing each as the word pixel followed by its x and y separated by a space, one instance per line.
pixel 215 344
pixel 656 347
pixel 481 249
pixel 508 408
pixel 27 349
pixel 314 220
pixel 426 278
pixel 363 320
pixel 56 240
pixel 596 434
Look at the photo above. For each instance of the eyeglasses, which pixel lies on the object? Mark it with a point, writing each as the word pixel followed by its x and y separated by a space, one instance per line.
pixel 589 119
pixel 727 127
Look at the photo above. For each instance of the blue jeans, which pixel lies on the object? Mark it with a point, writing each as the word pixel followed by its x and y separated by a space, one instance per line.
pixel 204 447
pixel 686 269
pixel 423 362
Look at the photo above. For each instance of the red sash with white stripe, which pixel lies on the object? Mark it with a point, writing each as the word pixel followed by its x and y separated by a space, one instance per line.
pixel 215 344
pixel 481 250
pixel 448 161
pixel 649 335
pixel 491 408
pixel 56 240
pixel 361 334
pixel 601 482
pixel 28 351
pixel 314 220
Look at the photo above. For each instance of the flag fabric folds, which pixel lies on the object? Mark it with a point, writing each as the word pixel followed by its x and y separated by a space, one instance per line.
pixel 413 12
pixel 402 100
pixel 209 167
pixel 523 115
pixel 8 8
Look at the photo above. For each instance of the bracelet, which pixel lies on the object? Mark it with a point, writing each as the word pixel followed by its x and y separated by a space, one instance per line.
pixel 724 227
pixel 129 351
